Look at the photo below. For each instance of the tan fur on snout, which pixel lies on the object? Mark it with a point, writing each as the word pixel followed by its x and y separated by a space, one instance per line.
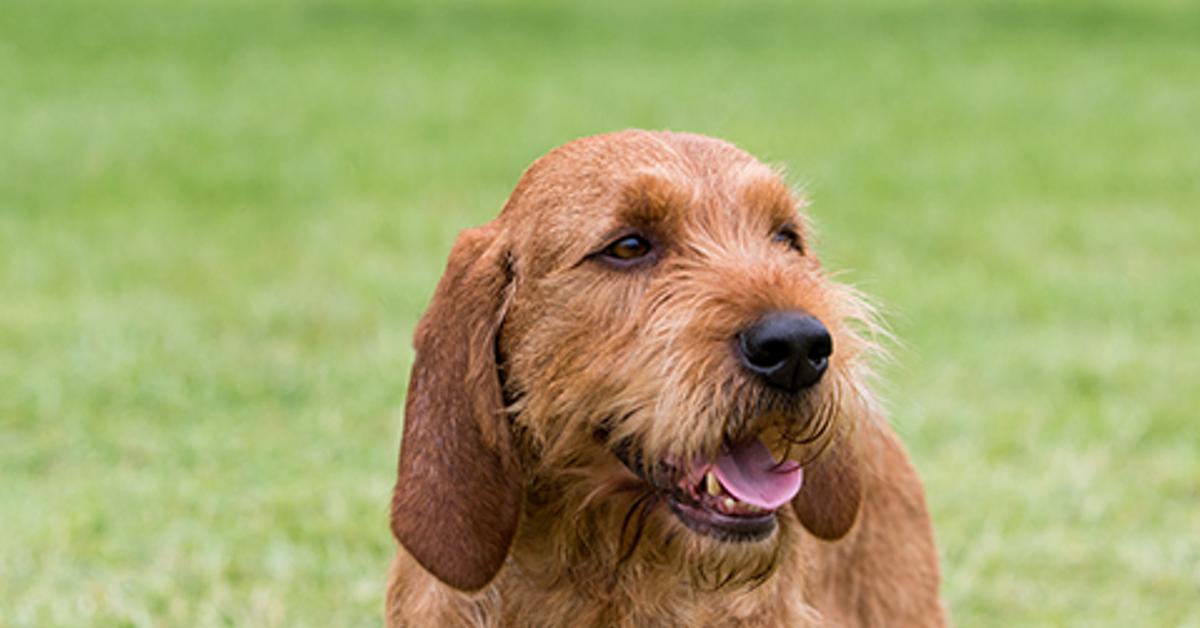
pixel 542 361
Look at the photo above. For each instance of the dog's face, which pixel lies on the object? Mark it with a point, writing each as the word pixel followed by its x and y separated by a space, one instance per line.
pixel 647 329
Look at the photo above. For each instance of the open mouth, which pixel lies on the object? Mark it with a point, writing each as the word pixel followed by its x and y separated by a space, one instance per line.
pixel 733 498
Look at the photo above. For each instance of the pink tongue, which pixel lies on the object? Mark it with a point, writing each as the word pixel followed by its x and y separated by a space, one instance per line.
pixel 751 474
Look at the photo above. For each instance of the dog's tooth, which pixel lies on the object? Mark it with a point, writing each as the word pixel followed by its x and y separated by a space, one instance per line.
pixel 729 503
pixel 711 483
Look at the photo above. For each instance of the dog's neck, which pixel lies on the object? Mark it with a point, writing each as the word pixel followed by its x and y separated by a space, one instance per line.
pixel 614 563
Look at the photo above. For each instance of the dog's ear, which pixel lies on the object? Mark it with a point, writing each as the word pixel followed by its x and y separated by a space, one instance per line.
pixel 458 493
pixel 832 493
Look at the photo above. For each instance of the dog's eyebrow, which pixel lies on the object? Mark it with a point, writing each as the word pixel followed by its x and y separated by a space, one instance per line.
pixel 768 194
pixel 649 199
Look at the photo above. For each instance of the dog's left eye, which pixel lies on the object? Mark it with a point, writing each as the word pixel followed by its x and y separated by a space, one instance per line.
pixel 788 236
pixel 627 249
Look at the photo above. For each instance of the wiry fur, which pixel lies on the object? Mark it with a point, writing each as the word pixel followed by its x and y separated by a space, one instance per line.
pixel 585 359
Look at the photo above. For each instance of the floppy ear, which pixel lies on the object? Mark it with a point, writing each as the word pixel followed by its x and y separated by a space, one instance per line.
pixel 458 493
pixel 829 500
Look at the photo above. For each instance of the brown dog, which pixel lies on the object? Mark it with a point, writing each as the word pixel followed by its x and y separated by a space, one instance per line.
pixel 638 400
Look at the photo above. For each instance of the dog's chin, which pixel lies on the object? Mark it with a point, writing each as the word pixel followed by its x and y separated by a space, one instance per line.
pixel 716 551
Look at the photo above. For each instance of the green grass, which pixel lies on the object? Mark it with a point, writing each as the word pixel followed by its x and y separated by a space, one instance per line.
pixel 220 220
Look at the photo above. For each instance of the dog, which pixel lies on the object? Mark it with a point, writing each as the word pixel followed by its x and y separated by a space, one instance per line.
pixel 639 400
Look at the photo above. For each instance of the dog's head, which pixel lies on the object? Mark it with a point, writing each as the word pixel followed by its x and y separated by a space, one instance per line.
pixel 644 325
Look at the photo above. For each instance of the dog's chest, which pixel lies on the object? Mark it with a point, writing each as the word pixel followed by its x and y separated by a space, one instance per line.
pixel 643 604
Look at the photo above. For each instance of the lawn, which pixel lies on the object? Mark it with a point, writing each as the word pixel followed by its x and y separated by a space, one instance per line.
pixel 220 220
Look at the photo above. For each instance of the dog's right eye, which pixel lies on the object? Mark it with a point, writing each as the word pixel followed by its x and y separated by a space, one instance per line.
pixel 788 236
pixel 628 249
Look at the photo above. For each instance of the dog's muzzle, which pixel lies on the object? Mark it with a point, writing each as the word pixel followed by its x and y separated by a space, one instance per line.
pixel 732 498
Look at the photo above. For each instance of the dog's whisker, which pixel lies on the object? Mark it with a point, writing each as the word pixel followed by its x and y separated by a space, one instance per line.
pixel 642 507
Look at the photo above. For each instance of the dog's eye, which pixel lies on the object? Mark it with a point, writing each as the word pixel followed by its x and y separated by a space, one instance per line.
pixel 628 248
pixel 788 236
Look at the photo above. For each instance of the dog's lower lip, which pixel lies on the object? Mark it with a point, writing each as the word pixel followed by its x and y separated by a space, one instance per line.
pixel 720 526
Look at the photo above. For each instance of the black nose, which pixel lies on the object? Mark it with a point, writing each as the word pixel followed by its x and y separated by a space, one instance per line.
pixel 790 350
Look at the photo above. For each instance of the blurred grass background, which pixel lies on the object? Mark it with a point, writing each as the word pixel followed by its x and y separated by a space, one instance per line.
pixel 220 220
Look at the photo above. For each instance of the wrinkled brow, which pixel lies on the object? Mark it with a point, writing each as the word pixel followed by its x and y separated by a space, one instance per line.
pixel 768 195
pixel 649 200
